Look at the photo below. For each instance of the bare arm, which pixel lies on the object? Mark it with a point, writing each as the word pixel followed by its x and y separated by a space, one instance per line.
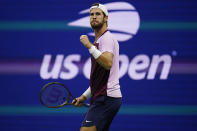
pixel 80 100
pixel 105 59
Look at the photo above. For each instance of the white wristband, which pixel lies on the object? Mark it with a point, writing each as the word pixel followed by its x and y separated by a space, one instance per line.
pixel 87 93
pixel 91 50
pixel 95 52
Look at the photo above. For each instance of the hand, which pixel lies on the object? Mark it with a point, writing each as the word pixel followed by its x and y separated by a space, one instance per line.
pixel 79 101
pixel 84 39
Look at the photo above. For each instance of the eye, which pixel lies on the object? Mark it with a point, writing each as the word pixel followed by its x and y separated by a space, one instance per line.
pixel 91 14
pixel 98 13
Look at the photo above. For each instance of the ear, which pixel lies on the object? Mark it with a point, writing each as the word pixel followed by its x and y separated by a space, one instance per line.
pixel 106 18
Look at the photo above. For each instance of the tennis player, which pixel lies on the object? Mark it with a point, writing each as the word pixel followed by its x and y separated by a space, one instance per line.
pixel 104 87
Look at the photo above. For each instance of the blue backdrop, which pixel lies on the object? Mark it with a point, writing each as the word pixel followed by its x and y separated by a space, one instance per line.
pixel 158 62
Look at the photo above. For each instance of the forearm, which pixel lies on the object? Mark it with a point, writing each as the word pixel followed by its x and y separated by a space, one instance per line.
pixel 104 62
pixel 104 59
pixel 87 93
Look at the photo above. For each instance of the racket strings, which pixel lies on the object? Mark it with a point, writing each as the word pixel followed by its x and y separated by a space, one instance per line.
pixel 54 96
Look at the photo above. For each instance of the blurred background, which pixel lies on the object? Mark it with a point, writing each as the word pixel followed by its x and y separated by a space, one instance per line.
pixel 158 62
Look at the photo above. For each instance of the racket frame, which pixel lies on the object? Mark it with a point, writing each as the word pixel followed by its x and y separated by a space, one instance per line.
pixel 56 83
pixel 70 96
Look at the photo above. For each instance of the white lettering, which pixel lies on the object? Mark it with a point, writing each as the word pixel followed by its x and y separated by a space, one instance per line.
pixel 166 59
pixel 124 63
pixel 137 67
pixel 72 69
pixel 44 70
pixel 86 69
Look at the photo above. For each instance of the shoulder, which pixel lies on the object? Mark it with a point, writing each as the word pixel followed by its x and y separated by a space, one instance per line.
pixel 108 37
pixel 107 34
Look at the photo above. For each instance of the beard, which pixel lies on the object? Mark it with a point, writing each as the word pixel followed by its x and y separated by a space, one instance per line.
pixel 97 26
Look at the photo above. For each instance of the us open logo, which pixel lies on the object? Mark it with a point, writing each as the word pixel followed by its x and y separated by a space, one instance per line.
pixel 123 21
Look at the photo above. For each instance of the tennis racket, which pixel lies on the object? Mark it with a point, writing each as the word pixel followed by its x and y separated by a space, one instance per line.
pixel 55 95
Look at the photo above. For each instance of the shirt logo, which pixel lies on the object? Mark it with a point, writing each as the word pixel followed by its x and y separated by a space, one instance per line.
pixel 123 22
pixel 88 121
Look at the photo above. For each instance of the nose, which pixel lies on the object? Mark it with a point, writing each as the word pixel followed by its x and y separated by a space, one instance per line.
pixel 94 16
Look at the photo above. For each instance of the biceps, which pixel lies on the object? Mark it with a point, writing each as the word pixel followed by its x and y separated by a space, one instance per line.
pixel 108 56
pixel 106 60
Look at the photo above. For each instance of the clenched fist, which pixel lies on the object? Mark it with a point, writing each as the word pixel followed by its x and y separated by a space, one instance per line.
pixel 84 39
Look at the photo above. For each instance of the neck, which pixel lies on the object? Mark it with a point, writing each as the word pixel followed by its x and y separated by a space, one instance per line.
pixel 99 32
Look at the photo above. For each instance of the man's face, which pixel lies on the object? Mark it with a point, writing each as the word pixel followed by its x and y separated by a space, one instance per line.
pixel 96 18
